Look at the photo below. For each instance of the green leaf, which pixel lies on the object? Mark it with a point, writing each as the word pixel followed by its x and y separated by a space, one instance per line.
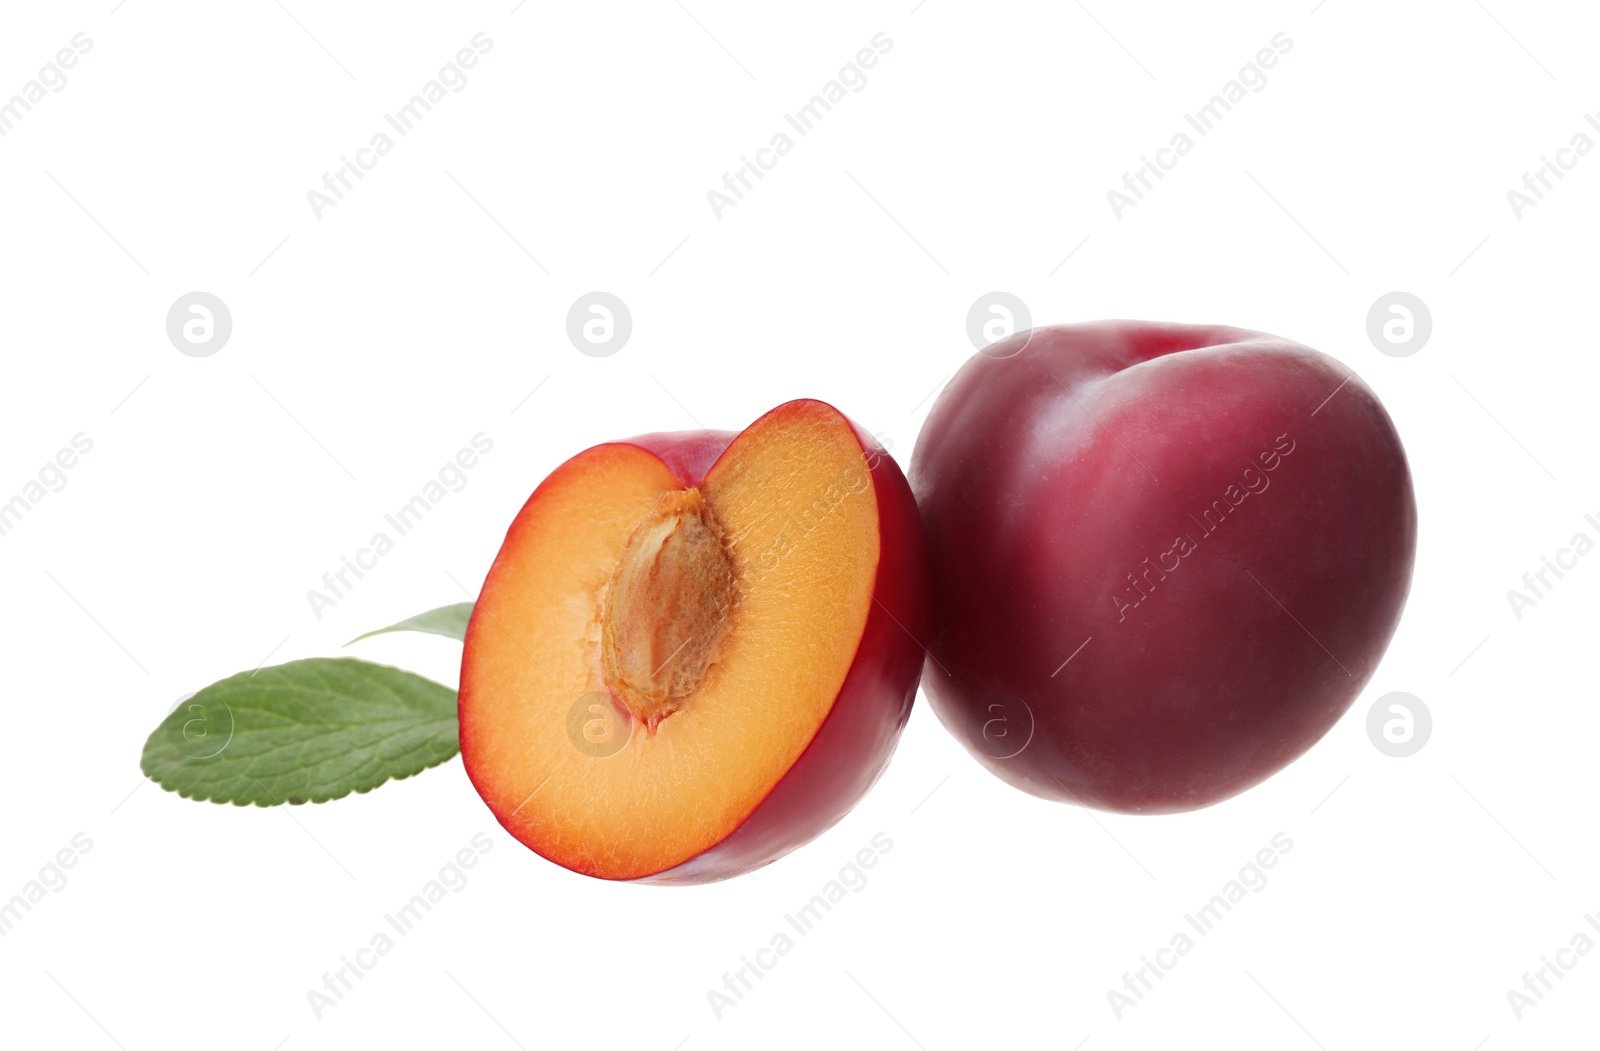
pixel 306 731
pixel 449 621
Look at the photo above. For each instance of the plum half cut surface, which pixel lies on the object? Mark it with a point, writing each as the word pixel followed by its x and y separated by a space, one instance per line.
pixel 695 652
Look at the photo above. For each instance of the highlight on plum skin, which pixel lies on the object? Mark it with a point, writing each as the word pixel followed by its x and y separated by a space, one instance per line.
pixel 695 652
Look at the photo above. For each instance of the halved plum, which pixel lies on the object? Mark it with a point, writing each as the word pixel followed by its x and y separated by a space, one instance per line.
pixel 696 652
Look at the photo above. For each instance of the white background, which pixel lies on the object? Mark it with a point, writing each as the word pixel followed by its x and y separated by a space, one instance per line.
pixel 370 344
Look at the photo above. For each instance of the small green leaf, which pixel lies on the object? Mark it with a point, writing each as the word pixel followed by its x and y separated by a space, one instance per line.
pixel 449 621
pixel 306 731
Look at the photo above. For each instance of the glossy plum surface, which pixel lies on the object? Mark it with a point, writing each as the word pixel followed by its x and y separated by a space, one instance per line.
pixel 1166 558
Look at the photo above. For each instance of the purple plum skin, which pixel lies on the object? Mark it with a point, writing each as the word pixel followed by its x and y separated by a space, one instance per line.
pixel 1166 558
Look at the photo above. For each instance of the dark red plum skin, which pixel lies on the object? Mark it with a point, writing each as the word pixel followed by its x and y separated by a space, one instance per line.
pixel 1058 461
